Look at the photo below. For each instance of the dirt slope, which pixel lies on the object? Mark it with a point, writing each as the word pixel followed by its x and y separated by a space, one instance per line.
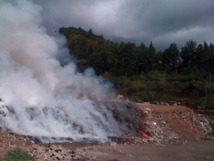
pixel 176 123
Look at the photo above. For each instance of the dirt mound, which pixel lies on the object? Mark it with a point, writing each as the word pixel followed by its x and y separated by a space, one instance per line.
pixel 176 124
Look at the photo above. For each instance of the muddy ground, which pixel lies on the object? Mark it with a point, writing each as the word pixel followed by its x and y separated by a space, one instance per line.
pixel 176 133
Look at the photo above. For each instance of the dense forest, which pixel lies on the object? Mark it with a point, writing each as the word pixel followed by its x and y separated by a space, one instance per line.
pixel 142 72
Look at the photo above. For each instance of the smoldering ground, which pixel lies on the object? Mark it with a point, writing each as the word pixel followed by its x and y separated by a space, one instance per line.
pixel 31 76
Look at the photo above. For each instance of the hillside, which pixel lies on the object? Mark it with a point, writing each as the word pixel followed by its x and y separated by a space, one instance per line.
pixel 141 72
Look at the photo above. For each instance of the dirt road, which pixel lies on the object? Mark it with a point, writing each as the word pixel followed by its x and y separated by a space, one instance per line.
pixel 194 151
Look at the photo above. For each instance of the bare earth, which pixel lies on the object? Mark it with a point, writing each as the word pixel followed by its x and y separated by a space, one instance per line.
pixel 194 151
pixel 175 131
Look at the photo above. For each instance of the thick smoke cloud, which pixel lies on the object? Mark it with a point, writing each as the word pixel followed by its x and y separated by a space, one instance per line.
pixel 43 98
pixel 162 22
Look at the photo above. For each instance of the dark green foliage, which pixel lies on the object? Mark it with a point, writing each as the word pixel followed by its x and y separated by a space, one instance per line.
pixel 128 59
pixel 170 59
pixel 188 54
pixel 194 89
pixel 18 155
pixel 121 59
pixel 141 72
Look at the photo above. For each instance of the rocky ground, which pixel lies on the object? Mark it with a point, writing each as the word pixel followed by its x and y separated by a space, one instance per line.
pixel 172 133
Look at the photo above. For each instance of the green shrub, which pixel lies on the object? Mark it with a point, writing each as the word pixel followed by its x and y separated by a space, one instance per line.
pixel 192 89
pixel 18 155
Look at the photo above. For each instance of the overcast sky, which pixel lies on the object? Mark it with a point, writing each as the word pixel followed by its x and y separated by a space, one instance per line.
pixel 160 21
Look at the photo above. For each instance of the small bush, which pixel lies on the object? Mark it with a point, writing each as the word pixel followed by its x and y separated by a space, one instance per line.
pixel 18 155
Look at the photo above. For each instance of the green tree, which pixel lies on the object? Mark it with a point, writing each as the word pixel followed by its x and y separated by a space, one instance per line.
pixel 142 58
pixel 77 45
pixel 91 46
pixel 170 58
pixel 198 56
pixel 211 58
pixel 187 54
pixel 98 62
pixel 150 56
pixel 205 57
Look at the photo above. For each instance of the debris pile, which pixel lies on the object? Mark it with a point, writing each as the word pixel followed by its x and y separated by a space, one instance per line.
pixel 175 124
pixel 57 153
pixel 115 117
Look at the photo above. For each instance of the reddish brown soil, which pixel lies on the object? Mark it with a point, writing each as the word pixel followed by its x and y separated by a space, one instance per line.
pixel 10 141
pixel 180 119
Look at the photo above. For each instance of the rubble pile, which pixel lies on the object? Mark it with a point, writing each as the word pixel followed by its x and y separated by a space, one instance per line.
pixel 57 153
pixel 175 124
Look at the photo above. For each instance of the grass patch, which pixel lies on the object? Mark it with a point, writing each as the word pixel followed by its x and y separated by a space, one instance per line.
pixel 18 155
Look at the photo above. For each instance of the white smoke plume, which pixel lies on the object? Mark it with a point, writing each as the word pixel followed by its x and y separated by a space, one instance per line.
pixel 44 98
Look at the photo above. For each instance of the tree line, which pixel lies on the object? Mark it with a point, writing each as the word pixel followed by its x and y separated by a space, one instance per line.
pixel 128 59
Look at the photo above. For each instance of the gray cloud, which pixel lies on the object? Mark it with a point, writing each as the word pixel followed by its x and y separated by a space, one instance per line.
pixel 162 21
